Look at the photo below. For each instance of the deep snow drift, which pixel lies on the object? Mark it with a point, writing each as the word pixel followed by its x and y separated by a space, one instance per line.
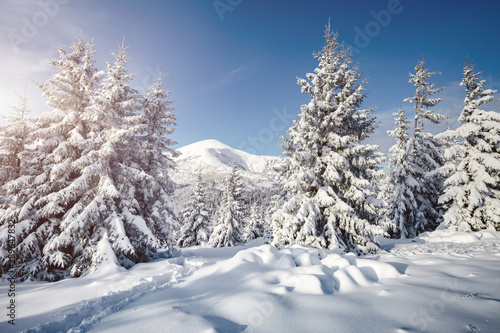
pixel 439 282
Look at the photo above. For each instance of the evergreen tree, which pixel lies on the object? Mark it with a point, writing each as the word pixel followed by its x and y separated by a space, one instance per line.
pixel 472 193
pixel 254 228
pixel 333 200
pixel 97 198
pixel 118 196
pixel 230 216
pixel 35 198
pixel 404 183
pixel 13 139
pixel 425 149
pixel 155 157
pixel 87 183
pixel 422 99
pixel 195 219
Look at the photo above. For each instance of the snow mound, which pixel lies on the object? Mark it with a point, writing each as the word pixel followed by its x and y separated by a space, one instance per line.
pixel 106 262
pixel 452 242
pixel 260 288
pixel 448 235
pixel 305 270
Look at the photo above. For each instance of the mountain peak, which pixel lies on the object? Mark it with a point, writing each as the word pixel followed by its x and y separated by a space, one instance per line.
pixel 216 158
pixel 203 144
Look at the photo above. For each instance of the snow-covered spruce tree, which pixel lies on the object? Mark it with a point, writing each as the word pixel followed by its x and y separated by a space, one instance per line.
pixel 13 139
pixel 227 230
pixel 426 149
pixel 115 192
pixel 254 228
pixel 155 158
pixel 195 219
pixel 35 200
pixel 331 177
pixel 277 232
pixel 271 204
pixel 404 183
pixel 87 187
pixel 472 192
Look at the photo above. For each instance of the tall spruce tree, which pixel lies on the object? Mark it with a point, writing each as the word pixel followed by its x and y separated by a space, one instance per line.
pixel 84 185
pixel 227 230
pixel 35 198
pixel 118 194
pixel 254 228
pixel 195 221
pixel 14 132
pixel 331 177
pixel 426 150
pixel 155 155
pixel 472 193
pixel 403 183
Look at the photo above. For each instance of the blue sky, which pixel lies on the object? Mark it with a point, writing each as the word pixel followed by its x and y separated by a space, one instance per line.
pixel 231 65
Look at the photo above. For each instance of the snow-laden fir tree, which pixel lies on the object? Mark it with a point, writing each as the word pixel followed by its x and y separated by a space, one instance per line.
pixel 14 132
pixel 155 157
pixel 403 183
pixel 85 185
pixel 34 198
pixel 14 142
pixel 254 228
pixel 273 201
pixel 228 228
pixel 117 193
pixel 472 192
pixel 333 201
pixel 422 99
pixel 425 149
pixel 195 221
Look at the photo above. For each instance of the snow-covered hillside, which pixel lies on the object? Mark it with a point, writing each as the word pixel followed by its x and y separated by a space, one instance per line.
pixel 442 281
pixel 217 156
pixel 214 160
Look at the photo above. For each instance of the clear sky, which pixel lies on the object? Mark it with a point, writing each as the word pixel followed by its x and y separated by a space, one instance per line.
pixel 231 65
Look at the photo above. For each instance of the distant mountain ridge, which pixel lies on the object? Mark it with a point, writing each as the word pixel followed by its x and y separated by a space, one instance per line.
pixel 214 160
pixel 219 156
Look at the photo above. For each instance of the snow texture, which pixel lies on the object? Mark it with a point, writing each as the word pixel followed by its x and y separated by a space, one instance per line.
pixel 442 281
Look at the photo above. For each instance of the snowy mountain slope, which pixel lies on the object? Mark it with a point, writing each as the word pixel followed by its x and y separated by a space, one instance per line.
pixel 443 281
pixel 214 160
pixel 217 155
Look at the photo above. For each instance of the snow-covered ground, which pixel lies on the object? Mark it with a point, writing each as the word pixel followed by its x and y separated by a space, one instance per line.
pixel 440 282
